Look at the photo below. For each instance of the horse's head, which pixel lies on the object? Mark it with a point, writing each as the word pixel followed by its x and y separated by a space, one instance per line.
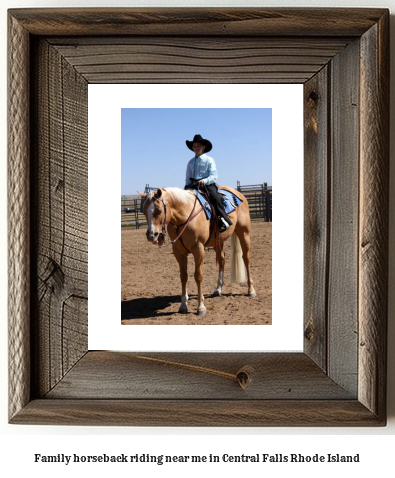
pixel 155 210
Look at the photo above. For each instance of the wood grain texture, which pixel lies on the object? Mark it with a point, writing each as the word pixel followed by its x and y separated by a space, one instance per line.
pixel 202 413
pixel 191 59
pixel 18 218
pixel 343 264
pixel 316 214
pixel 61 228
pixel 204 375
pixel 199 21
pixel 347 225
pixel 373 234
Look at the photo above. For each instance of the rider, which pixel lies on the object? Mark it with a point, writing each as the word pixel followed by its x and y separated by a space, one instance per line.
pixel 201 169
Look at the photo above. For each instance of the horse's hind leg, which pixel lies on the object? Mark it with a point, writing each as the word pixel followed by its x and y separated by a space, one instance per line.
pixel 182 260
pixel 198 254
pixel 220 283
pixel 244 236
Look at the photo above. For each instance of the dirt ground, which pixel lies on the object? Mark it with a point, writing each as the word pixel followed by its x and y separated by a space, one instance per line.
pixel 151 286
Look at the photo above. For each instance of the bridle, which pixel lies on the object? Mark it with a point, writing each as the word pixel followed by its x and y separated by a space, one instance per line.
pixel 164 230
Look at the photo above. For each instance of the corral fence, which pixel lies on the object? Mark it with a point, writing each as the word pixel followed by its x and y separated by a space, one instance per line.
pixel 131 210
pixel 259 197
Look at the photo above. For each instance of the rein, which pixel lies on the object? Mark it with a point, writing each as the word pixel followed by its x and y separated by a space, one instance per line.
pixel 191 216
pixel 189 220
pixel 164 232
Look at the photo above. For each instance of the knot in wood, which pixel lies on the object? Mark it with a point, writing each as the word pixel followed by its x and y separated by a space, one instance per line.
pixel 244 376
pixel 54 276
pixel 309 331
pixel 313 96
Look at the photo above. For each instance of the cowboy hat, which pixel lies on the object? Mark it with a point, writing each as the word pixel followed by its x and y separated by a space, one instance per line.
pixel 198 139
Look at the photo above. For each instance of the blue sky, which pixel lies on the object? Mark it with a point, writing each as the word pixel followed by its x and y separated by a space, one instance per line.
pixel 154 150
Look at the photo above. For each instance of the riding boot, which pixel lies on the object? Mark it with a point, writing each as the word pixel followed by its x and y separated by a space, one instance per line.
pixel 222 224
pixel 226 218
pixel 217 203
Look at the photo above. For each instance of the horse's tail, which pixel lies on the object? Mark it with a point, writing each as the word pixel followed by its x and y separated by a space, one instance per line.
pixel 237 267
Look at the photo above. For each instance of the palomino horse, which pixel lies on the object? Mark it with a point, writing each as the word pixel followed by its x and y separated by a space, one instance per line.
pixel 171 208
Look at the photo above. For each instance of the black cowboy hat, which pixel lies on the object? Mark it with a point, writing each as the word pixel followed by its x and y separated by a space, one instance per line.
pixel 198 139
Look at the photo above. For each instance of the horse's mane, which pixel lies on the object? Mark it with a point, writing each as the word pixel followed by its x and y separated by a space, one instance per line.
pixel 178 194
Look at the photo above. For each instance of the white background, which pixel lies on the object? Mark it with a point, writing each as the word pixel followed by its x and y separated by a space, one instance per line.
pixel 19 443
pixel 105 329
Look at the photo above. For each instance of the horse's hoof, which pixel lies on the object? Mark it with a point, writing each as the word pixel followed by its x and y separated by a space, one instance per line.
pixel 183 309
pixel 201 311
pixel 252 294
pixel 217 293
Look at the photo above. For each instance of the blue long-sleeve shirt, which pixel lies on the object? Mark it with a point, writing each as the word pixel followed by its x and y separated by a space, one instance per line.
pixel 201 167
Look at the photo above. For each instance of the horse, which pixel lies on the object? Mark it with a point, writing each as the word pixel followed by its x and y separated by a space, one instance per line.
pixel 174 209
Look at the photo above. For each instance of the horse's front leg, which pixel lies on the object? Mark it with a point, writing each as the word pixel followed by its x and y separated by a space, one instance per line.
pixel 244 237
pixel 182 260
pixel 220 283
pixel 198 254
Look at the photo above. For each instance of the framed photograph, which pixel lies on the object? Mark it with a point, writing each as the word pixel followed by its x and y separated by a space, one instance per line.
pixel 154 144
pixel 154 122
pixel 341 57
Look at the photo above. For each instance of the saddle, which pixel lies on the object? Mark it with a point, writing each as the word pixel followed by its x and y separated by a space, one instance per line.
pixel 217 203
pixel 229 200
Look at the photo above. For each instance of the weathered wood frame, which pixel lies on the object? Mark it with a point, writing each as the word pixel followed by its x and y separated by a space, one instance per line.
pixel 340 378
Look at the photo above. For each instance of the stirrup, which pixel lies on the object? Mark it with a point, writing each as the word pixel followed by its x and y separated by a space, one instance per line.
pixel 223 225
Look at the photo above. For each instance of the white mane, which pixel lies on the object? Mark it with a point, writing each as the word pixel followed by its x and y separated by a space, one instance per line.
pixel 178 194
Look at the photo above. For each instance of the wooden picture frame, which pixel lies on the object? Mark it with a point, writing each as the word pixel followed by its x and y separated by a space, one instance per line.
pixel 342 58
